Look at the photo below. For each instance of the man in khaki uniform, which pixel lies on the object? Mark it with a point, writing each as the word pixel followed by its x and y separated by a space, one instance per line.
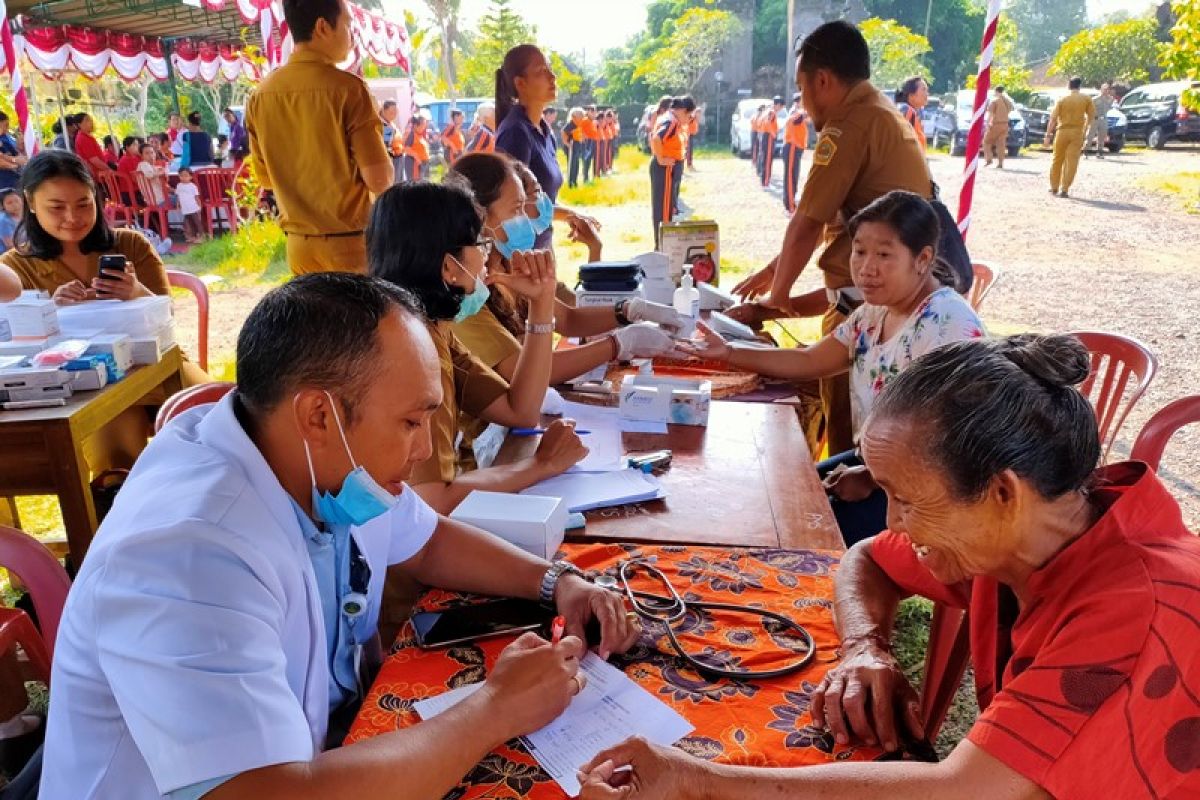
pixel 1069 123
pixel 317 140
pixel 1103 103
pixel 865 150
pixel 995 141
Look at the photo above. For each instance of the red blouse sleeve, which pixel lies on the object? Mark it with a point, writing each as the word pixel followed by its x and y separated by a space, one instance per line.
pixel 894 555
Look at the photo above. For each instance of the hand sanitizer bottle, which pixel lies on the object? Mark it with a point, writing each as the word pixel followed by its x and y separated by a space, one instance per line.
pixel 687 299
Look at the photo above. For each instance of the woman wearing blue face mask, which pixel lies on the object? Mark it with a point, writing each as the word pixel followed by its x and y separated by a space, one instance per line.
pixel 431 240
pixel 515 211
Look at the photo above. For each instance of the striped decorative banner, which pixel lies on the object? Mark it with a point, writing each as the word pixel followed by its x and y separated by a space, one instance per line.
pixel 13 46
pixel 983 82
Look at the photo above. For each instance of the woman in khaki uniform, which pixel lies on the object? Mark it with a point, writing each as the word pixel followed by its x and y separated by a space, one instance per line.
pixel 62 236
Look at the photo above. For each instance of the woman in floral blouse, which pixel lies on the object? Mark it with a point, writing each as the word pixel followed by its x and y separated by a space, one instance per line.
pixel 910 309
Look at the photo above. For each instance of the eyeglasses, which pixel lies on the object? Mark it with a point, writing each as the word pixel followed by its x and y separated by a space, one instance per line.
pixel 485 245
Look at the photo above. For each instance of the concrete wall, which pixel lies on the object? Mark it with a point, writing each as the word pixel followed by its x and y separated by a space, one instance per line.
pixel 805 16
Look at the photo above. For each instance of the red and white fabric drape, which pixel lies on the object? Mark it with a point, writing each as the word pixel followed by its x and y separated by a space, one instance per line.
pixel 52 48
pixel 11 48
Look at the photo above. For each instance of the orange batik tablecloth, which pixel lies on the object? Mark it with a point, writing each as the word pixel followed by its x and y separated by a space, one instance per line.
pixel 764 723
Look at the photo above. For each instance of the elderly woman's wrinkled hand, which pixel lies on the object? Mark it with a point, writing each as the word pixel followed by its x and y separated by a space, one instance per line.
pixel 639 770
pixel 862 698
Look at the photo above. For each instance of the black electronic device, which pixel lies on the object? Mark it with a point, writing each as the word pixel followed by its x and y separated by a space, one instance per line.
pixel 112 267
pixel 479 621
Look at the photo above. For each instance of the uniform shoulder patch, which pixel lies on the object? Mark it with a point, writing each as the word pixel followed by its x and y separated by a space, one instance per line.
pixel 825 150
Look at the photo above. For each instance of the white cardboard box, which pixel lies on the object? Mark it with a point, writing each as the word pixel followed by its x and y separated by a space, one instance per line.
pixel 33 377
pixel 5 330
pixel 89 380
pixel 537 525
pixel 119 345
pixel 32 317
pixel 676 401
pixel 29 347
pixel 36 393
pixel 657 283
pixel 693 241
pixel 142 317
pixel 586 299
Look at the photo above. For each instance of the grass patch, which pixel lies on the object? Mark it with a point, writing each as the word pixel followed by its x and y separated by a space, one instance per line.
pixel 1184 186
pixel 256 254
pixel 629 183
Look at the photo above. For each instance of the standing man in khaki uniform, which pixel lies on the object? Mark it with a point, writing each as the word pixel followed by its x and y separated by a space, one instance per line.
pixel 995 141
pixel 865 150
pixel 1069 123
pixel 317 140
pixel 1103 103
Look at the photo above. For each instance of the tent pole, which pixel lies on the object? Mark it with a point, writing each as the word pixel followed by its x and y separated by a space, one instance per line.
pixel 62 112
pixel 168 46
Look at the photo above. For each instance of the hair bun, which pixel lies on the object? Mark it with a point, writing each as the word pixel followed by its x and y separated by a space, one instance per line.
pixel 1056 360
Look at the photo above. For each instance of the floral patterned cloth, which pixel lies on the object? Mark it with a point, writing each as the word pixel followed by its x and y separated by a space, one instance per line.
pixel 944 317
pixel 765 723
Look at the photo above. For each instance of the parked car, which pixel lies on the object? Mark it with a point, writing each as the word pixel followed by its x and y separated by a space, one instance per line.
pixel 1156 114
pixel 963 103
pixel 739 128
pixel 1040 105
pixel 938 122
pixel 643 128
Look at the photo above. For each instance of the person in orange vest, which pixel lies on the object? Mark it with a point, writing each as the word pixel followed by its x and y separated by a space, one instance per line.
pixel 770 126
pixel 610 130
pixel 689 107
pixel 795 141
pixel 591 135
pixel 914 96
pixel 453 140
pixel 572 138
pixel 756 137
pixel 598 161
pixel 484 140
pixel 416 149
pixel 391 137
pixel 616 150
pixel 668 144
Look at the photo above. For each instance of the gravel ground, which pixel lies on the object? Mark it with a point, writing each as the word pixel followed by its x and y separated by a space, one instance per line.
pixel 1116 256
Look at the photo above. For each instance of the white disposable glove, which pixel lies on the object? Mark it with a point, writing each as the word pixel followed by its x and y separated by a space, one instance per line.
pixel 644 340
pixel 639 310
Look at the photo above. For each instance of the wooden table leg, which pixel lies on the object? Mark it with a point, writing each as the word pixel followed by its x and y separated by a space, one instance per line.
pixel 9 516
pixel 74 490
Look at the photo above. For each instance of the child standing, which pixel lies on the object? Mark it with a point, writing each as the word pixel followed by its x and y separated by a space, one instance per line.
pixel 187 193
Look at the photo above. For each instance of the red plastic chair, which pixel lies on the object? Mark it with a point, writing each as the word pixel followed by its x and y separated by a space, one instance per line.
pixel 190 398
pixel 216 195
pixel 120 198
pixel 146 186
pixel 16 628
pixel 1122 368
pixel 186 280
pixel 43 576
pixel 1152 441
pixel 946 659
pixel 985 278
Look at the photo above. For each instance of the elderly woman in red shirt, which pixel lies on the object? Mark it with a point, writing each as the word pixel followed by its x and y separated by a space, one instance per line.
pixel 1083 587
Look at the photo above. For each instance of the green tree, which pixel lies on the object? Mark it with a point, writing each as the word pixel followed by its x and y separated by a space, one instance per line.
pixel 1043 25
pixel 1008 68
pixel 770 33
pixel 692 44
pixel 897 53
pixel 1123 51
pixel 567 76
pixel 1181 57
pixel 955 28
pixel 445 19
pixel 617 85
pixel 500 30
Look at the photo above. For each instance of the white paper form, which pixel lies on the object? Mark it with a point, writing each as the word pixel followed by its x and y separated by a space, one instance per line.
pixel 609 710
pixel 604 441
pixel 583 491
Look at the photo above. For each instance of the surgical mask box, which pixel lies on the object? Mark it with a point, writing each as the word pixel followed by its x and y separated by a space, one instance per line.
pixel 140 317
pixel 33 378
pixel 675 401
pixel 36 393
pixel 91 379
pixel 149 349
pixel 537 525
pixel 657 285
pixel 32 317
pixel 29 347
pixel 118 345
pixel 586 299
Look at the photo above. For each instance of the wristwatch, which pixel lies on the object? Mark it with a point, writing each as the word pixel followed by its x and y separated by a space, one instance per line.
pixel 550 580
pixel 539 328
pixel 619 312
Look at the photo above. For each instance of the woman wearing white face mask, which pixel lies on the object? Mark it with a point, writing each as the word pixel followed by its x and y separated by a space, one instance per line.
pixel 516 212
pixel 431 240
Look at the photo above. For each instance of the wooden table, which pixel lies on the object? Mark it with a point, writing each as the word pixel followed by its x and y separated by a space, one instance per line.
pixel 747 479
pixel 44 447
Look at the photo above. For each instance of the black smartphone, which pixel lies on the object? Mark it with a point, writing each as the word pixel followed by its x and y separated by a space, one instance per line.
pixel 112 267
pixel 468 623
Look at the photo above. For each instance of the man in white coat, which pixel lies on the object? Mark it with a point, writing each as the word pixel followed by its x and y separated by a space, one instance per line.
pixel 219 621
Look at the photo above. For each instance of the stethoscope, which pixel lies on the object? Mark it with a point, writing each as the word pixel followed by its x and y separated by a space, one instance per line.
pixel 666 610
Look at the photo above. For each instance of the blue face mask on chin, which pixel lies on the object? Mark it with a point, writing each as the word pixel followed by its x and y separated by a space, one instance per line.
pixel 545 217
pixel 359 500
pixel 521 235
pixel 474 300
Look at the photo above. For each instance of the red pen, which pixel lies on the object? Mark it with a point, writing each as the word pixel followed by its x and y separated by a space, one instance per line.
pixel 556 629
